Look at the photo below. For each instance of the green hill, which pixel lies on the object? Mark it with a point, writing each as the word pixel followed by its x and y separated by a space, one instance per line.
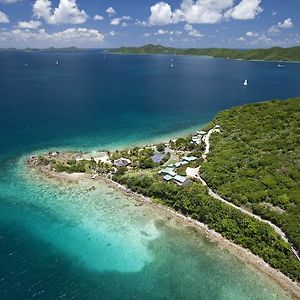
pixel 255 162
pixel 271 54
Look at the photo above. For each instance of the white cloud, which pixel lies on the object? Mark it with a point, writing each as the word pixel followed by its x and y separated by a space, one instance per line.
pixel 204 11
pixel 241 39
pixel 29 25
pixel 245 10
pixel 164 32
pixel 161 32
pixel 286 24
pixel 110 11
pixel 3 18
pixel 192 31
pixel 81 37
pixel 252 34
pixel 98 18
pixel 67 12
pixel 117 21
pixel 140 23
pixel 147 34
pixel 273 30
pixel 161 14
pixel 112 33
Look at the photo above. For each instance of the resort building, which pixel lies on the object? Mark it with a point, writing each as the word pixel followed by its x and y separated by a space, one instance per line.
pixel 168 177
pixel 189 158
pixel 168 171
pixel 192 173
pixel 181 180
pixel 122 162
pixel 158 157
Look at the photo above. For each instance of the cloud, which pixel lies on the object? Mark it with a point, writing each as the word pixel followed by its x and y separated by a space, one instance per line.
pixel 117 21
pixel 161 14
pixel 204 11
pixel 67 12
pixel 112 33
pixel 110 11
pixel 29 25
pixel 3 18
pixel 164 32
pixel 192 31
pixel 273 30
pixel 98 18
pixel 241 39
pixel 286 24
pixel 141 23
pixel 245 10
pixel 81 37
pixel 161 32
pixel 252 34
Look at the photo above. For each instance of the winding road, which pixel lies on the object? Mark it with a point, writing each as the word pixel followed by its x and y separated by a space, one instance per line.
pixel 206 140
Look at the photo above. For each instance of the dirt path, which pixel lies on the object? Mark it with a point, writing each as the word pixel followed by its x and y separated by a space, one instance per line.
pixel 218 197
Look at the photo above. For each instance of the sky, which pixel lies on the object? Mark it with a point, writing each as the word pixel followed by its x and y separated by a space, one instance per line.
pixel 176 23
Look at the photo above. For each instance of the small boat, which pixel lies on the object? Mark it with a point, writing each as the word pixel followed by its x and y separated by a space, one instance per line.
pixel 172 65
pixel 245 82
pixel 57 62
pixel 26 65
pixel 280 66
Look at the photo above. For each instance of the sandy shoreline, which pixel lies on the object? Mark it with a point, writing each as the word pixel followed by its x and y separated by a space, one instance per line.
pixel 291 288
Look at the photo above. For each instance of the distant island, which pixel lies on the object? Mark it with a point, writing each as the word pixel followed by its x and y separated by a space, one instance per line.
pixel 271 54
pixel 240 176
pixel 51 49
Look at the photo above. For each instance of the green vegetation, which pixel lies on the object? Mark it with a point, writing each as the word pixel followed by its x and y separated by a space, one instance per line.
pixel 73 166
pixel 271 54
pixel 194 201
pixel 256 160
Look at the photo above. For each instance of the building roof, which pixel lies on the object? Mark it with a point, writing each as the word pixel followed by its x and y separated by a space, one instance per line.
pixel 201 132
pixel 122 162
pixel 168 177
pixel 192 172
pixel 180 179
pixel 189 158
pixel 168 171
pixel 157 157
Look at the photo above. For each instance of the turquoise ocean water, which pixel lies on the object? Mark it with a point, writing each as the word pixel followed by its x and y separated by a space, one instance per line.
pixel 66 242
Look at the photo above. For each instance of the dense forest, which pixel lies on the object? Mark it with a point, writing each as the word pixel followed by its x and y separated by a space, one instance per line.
pixel 271 54
pixel 255 162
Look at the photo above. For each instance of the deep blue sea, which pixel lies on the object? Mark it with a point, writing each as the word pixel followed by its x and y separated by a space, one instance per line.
pixel 67 242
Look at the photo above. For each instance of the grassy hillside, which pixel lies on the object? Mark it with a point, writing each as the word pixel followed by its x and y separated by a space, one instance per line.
pixel 275 53
pixel 256 161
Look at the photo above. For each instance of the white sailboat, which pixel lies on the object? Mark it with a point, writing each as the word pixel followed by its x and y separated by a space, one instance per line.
pixel 245 82
pixel 57 62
